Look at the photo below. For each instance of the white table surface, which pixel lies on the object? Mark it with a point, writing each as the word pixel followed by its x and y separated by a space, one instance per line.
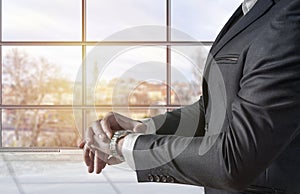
pixel 64 172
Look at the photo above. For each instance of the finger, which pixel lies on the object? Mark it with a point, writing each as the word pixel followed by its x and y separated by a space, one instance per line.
pixel 86 156
pixel 88 153
pixel 91 166
pixel 100 143
pixel 89 136
pixel 113 161
pixel 124 122
pixel 97 129
pixel 106 125
pixel 81 145
pixel 100 161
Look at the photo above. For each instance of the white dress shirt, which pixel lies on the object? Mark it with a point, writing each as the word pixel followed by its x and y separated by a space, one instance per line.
pixel 247 5
pixel 129 140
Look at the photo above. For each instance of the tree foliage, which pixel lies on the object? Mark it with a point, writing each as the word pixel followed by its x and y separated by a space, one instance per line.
pixel 35 81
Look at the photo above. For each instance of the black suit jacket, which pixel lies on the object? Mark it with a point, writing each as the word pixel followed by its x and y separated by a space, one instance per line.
pixel 243 133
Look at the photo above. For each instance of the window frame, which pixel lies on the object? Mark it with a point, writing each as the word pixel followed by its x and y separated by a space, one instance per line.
pixel 84 43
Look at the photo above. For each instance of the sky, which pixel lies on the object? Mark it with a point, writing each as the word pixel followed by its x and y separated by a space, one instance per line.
pixel 60 20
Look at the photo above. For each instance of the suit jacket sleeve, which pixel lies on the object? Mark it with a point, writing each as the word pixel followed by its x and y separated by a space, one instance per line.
pixel 264 118
pixel 170 122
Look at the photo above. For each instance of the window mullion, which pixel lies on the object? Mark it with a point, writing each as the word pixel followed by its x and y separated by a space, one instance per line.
pixel 1 73
pixel 168 65
pixel 83 112
pixel 84 43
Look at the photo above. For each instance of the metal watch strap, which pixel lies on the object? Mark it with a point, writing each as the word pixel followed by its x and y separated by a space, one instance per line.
pixel 113 146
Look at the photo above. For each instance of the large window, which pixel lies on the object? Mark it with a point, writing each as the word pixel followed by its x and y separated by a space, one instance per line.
pixel 53 82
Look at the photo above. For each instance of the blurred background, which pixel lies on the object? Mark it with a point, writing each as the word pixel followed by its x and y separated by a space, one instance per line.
pixel 44 47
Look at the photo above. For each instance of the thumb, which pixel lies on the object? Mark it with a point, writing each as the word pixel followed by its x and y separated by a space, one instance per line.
pixel 140 128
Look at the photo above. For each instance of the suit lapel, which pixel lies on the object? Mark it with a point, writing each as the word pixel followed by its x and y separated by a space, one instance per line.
pixel 229 31
pixel 233 19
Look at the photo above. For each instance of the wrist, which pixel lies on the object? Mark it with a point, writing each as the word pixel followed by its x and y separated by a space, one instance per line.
pixel 120 146
pixel 116 143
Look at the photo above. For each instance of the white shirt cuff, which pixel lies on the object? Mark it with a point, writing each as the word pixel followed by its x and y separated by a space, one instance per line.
pixel 130 139
pixel 127 148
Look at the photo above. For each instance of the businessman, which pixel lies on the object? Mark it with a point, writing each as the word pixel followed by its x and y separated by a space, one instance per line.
pixel 242 136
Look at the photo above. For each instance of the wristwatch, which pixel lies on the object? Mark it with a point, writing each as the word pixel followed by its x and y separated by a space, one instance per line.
pixel 113 146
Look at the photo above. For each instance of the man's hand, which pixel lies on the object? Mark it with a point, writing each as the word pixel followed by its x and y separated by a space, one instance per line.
pixel 98 136
pixel 113 122
pixel 95 151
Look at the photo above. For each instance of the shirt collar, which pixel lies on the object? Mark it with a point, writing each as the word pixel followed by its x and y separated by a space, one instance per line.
pixel 247 5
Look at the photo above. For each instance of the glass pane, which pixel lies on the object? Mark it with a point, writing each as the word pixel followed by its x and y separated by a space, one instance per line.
pixel 41 20
pixel 37 75
pixel 39 128
pixel 105 18
pixel 126 75
pixel 201 19
pixel 187 65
